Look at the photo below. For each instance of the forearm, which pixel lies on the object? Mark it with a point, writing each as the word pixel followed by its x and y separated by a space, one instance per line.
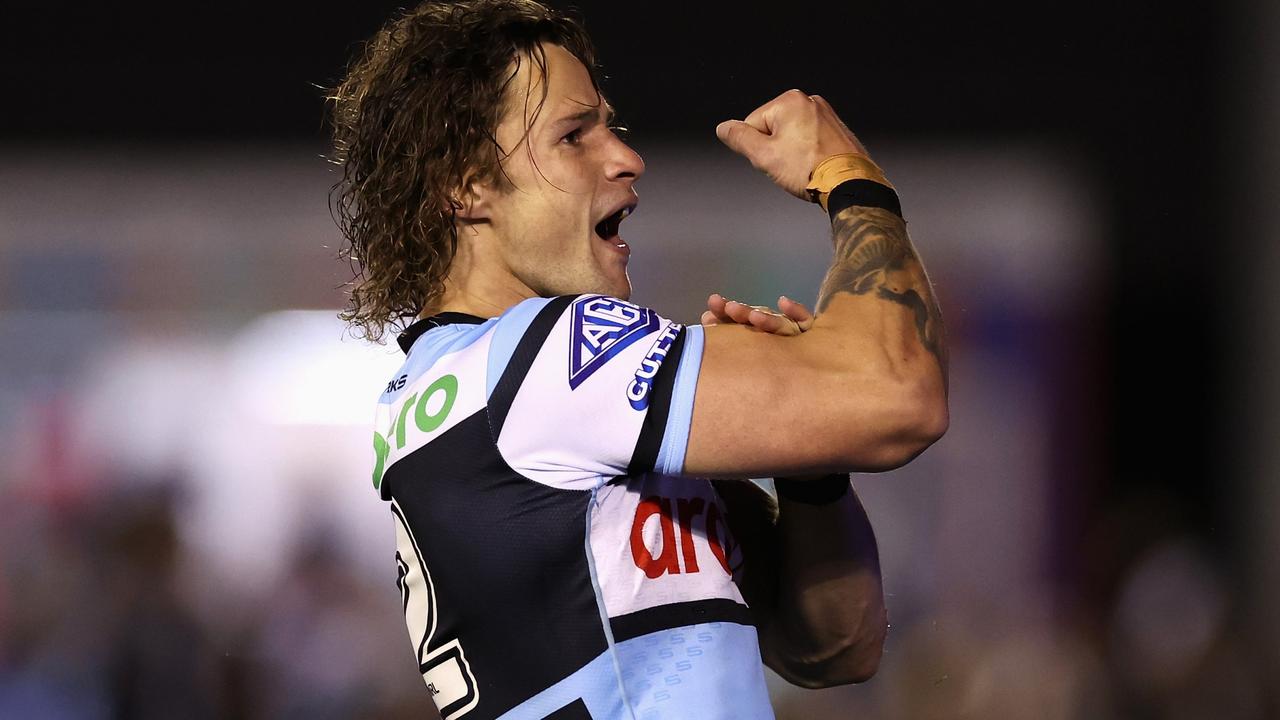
pixel 829 623
pixel 877 289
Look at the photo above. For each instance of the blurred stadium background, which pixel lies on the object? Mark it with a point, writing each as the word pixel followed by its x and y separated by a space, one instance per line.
pixel 187 527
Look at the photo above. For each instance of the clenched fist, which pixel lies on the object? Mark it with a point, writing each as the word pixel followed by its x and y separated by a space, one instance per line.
pixel 788 136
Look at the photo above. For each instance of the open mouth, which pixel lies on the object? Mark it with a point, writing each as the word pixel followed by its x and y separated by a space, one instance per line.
pixel 607 228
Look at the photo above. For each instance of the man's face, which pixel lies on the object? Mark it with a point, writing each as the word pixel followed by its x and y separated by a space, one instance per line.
pixel 557 227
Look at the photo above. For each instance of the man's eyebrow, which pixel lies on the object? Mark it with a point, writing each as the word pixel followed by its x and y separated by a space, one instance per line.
pixel 589 113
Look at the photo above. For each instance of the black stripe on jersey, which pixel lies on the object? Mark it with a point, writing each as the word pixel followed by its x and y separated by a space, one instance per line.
pixel 576 710
pixel 666 617
pixel 504 392
pixel 511 581
pixel 655 421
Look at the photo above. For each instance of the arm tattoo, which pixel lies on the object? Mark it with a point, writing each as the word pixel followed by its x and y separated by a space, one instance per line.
pixel 874 255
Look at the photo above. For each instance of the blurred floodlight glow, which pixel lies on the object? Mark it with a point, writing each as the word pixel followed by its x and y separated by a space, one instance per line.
pixel 1170 612
pixel 301 367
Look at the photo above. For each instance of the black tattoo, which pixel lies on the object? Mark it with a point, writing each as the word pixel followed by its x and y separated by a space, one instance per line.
pixel 873 253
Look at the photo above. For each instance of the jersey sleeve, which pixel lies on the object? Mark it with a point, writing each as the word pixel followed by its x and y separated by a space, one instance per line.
pixel 586 388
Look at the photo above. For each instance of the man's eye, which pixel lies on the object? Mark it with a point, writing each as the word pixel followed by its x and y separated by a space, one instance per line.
pixel 573 137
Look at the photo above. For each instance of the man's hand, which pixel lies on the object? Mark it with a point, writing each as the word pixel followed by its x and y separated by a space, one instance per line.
pixel 788 136
pixel 794 319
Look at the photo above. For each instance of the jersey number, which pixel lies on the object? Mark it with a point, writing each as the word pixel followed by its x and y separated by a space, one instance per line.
pixel 443 665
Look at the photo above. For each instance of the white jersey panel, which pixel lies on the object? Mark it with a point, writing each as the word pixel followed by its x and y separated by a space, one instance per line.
pixel 415 411
pixel 576 418
pixel 659 540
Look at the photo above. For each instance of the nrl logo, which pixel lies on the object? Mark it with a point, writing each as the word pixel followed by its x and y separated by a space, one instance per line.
pixel 601 328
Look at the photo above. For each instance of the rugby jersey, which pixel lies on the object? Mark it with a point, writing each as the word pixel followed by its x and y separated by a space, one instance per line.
pixel 550 562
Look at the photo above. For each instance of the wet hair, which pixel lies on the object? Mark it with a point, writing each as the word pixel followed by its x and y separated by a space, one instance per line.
pixel 413 120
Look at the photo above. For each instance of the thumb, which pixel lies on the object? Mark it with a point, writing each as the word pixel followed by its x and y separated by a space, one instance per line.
pixel 740 137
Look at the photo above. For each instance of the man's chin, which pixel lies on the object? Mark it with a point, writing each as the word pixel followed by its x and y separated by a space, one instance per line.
pixel 611 287
pixel 621 288
pixel 611 281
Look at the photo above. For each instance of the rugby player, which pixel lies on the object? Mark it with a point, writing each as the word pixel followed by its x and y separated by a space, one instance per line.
pixel 574 537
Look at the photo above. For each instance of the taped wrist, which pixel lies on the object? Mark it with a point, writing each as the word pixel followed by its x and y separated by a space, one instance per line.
pixel 822 491
pixel 837 169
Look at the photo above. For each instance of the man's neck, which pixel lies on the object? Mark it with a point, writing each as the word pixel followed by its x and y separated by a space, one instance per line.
pixel 485 305
pixel 479 286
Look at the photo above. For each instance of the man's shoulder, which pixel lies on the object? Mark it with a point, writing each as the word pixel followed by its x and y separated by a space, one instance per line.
pixel 452 345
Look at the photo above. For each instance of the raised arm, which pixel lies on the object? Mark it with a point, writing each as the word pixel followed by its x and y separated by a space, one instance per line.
pixel 864 389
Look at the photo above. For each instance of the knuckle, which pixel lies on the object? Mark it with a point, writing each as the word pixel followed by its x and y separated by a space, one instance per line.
pixel 791 97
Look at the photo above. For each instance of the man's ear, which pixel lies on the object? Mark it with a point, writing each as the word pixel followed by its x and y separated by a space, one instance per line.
pixel 471 199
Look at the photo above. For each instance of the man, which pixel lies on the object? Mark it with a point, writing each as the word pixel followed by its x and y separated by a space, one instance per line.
pixel 547 445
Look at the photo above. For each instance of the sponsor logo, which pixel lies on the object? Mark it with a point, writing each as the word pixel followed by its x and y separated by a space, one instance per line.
pixel 396 384
pixel 601 328
pixel 638 389
pixel 667 558
pixel 430 409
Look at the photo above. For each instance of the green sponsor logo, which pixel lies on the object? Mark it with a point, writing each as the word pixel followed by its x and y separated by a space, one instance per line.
pixel 423 418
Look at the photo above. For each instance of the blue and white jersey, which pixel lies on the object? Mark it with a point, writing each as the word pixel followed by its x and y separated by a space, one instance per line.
pixel 551 565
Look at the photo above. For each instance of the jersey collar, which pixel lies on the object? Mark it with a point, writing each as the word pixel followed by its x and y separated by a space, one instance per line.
pixel 411 334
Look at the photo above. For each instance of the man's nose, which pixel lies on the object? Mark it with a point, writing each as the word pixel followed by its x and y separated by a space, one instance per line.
pixel 623 161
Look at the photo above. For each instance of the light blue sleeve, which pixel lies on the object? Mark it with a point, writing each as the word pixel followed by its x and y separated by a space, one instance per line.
pixel 675 441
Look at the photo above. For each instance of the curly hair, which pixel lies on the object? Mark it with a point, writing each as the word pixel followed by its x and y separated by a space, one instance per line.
pixel 415 116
